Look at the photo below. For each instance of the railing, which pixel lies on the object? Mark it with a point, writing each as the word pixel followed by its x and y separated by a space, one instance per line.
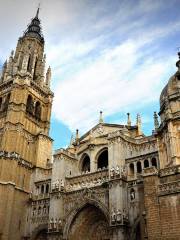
pixel 169 171
pixel 169 188
pixel 88 180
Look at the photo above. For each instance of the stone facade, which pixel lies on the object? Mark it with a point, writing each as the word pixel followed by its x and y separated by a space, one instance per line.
pixel 112 183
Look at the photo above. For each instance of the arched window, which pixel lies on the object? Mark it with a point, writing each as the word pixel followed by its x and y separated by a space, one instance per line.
pixel 6 103
pixel 20 62
pixel 131 169
pixel 35 70
pixel 47 188
pixel 139 167
pixel 146 163
pixel 85 164
pixel 38 110
pixel 102 161
pixel 42 189
pixel 154 162
pixel 30 105
pixel 29 64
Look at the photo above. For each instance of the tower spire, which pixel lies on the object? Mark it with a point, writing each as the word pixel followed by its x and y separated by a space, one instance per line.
pixel 156 122
pixel 34 28
pixel 37 13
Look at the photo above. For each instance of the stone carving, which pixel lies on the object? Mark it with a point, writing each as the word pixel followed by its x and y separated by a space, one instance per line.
pixel 167 188
pixel 55 185
pixel 54 225
pixel 62 184
pixel 132 194
pixel 113 216
pixel 125 216
pixel 117 171
pixel 10 155
pixel 119 216
pixel 123 171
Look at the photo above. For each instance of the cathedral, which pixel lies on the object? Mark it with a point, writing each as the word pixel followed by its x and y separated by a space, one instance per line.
pixel 112 183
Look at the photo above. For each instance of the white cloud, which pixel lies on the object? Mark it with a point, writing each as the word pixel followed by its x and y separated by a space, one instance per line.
pixel 112 83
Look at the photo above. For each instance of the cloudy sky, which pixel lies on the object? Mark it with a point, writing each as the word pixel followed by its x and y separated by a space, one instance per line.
pixel 109 55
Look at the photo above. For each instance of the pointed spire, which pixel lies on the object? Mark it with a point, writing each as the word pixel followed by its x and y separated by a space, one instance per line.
pixel 138 123
pixel 101 117
pixel 37 13
pixel 156 122
pixel 48 77
pixel 77 134
pixel 128 119
pixel 34 28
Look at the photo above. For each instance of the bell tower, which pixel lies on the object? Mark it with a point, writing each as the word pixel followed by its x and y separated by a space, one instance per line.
pixel 25 110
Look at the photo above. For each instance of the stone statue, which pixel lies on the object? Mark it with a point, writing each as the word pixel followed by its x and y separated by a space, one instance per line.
pixel 119 216
pixel 117 171
pixel 132 194
pixel 51 224
pixel 55 224
pixel 125 216
pixel 59 224
pixel 113 216
pixel 112 171
pixel 123 171
pixel 55 185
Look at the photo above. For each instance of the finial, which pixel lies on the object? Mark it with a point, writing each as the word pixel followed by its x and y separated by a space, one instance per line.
pixel 48 76
pixel 77 134
pixel 138 123
pixel 101 117
pixel 37 13
pixel 128 119
pixel 156 122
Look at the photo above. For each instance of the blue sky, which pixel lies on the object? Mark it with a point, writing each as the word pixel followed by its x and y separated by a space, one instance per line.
pixel 114 56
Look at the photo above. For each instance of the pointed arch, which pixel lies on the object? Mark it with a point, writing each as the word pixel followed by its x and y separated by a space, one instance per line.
pixel 102 158
pixel 38 110
pixel 30 105
pixel 6 103
pixel 29 65
pixel 35 69
pixel 85 163
pixel 78 208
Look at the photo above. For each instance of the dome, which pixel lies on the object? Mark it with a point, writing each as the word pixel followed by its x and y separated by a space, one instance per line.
pixel 172 89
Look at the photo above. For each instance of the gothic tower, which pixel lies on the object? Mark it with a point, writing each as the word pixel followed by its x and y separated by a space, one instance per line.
pixel 25 109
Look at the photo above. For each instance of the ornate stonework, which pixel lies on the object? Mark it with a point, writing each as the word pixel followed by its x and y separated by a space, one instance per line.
pixel 111 183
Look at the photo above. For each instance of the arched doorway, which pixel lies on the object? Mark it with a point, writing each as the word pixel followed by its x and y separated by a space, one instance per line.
pixel 89 223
